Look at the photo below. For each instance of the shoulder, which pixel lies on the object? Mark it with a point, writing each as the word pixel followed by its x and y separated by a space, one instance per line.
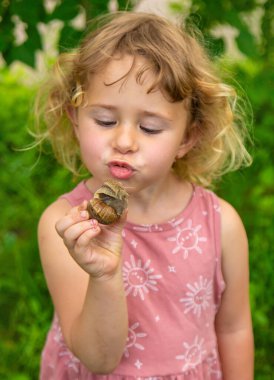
pixel 48 239
pixel 52 213
pixel 230 226
pixel 233 238
pixel 231 223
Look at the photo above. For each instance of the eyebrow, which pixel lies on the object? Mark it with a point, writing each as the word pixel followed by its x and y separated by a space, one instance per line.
pixel 156 115
pixel 106 106
pixel 145 113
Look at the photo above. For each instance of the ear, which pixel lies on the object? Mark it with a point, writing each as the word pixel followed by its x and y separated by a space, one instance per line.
pixel 72 115
pixel 188 142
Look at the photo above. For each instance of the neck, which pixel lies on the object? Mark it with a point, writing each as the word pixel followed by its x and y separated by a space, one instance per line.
pixel 158 204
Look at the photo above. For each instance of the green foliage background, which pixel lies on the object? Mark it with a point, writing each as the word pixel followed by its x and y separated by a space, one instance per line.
pixel 29 182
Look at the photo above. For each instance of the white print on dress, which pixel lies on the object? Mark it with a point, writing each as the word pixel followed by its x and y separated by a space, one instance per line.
pixel 138 364
pixel 71 361
pixel 175 222
pixel 187 239
pixel 138 278
pixel 198 297
pixel 133 338
pixel 212 361
pixel 193 354
pixel 134 243
pixel 171 269
pixel 148 228
pixel 217 208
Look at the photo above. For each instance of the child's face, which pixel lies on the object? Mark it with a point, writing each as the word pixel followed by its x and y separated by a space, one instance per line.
pixel 126 133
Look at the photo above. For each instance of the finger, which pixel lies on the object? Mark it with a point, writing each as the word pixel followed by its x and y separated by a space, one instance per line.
pixel 75 215
pixel 83 206
pixel 85 239
pixel 74 232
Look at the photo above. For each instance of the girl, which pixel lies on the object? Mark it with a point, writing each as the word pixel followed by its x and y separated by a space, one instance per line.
pixel 163 292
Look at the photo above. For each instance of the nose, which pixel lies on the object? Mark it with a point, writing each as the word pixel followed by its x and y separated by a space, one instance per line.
pixel 125 139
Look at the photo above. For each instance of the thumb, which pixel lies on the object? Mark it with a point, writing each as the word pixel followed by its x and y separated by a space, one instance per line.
pixel 119 225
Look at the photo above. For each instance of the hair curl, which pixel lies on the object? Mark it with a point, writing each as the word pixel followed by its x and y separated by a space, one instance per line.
pixel 182 70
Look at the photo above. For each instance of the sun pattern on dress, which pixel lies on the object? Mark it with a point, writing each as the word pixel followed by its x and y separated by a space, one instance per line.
pixel 133 339
pixel 193 354
pixel 187 239
pixel 139 278
pixel 199 296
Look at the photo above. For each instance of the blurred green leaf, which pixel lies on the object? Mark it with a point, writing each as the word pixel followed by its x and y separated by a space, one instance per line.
pixel 65 11
pixel 246 43
pixel 69 38
pixel 25 52
pixel 31 12
pixel 6 34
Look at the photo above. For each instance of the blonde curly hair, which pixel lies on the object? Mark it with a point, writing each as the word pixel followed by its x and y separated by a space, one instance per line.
pixel 182 70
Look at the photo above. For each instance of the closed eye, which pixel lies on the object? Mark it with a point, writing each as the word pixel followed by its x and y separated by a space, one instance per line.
pixel 105 123
pixel 150 131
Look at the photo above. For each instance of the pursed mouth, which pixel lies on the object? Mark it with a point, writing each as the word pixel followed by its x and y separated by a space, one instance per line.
pixel 120 164
pixel 121 170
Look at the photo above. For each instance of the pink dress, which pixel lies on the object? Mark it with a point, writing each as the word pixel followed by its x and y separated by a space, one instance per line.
pixel 173 282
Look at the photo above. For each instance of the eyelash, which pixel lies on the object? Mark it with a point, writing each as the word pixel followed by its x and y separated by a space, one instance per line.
pixel 105 123
pixel 112 123
pixel 150 131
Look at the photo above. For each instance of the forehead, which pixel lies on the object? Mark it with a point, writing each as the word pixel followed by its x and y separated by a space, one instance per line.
pixel 116 86
pixel 117 67
pixel 130 80
pixel 120 69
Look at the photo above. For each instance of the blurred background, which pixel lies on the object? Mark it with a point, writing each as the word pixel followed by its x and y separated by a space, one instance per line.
pixel 239 35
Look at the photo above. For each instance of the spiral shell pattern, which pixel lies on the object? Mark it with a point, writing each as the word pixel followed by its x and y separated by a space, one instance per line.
pixel 108 203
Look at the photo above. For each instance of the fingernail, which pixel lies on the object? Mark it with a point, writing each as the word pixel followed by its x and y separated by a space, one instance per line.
pixel 94 223
pixel 83 214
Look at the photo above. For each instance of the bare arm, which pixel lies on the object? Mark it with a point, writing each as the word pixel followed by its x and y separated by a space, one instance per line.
pixel 83 273
pixel 233 322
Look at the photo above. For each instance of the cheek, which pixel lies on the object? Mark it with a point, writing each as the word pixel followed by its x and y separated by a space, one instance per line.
pixel 159 160
pixel 91 146
pixel 162 154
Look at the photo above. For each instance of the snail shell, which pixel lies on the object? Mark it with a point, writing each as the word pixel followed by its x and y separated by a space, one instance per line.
pixel 108 203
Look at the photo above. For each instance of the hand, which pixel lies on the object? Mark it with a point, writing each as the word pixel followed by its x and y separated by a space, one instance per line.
pixel 95 247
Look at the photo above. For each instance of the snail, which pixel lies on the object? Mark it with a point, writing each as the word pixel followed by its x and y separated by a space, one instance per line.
pixel 108 202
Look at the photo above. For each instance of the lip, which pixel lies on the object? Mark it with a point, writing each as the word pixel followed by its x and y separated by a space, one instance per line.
pixel 121 169
pixel 120 163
